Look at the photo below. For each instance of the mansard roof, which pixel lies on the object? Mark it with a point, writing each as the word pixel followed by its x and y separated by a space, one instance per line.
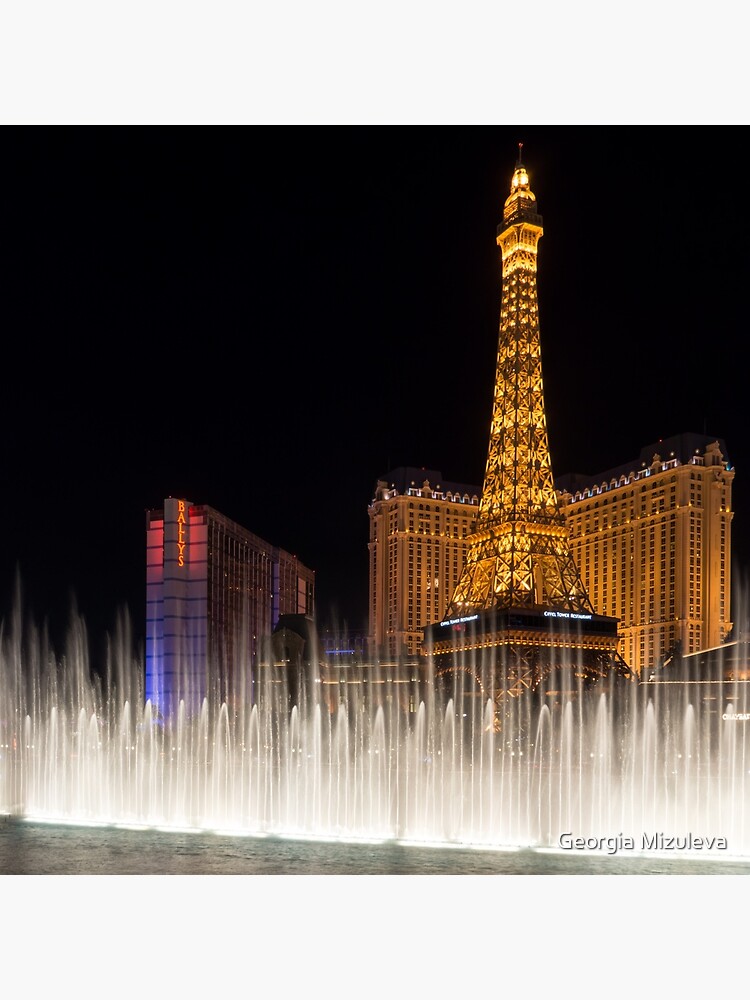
pixel 682 447
pixel 407 477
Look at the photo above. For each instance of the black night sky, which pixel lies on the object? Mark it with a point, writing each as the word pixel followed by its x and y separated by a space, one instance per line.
pixel 266 319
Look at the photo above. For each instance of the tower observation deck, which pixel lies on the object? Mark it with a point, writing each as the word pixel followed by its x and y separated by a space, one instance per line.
pixel 520 606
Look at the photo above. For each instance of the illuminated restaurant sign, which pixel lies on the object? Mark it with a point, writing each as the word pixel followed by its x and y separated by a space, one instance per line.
pixel 455 621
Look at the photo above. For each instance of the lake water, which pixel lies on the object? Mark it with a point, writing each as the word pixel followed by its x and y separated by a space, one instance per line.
pixel 309 918
pixel 32 848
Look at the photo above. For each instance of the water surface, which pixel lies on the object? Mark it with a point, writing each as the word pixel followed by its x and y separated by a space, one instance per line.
pixel 33 848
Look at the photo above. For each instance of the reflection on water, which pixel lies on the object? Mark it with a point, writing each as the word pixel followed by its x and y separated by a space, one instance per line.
pixel 28 848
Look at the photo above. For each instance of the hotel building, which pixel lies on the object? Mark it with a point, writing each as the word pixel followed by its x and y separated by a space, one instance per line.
pixel 214 592
pixel 418 529
pixel 651 539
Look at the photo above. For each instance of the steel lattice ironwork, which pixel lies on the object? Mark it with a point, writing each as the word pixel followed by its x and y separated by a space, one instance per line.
pixel 520 574
pixel 520 555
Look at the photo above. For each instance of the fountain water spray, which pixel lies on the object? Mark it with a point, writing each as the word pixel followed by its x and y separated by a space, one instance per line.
pixel 647 767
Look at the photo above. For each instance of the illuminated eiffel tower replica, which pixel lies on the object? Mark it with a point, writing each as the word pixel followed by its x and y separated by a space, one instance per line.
pixel 520 605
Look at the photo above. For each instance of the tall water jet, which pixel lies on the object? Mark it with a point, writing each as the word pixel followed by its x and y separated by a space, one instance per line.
pixel 648 762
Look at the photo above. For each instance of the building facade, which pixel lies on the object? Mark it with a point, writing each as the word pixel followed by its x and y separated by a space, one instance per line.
pixel 419 524
pixel 214 592
pixel 652 540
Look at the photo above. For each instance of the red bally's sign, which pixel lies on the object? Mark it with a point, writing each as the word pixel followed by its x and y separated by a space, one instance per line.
pixel 181 522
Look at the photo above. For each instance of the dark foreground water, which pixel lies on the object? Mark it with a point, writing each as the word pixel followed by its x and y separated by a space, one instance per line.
pixel 306 921
pixel 32 848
